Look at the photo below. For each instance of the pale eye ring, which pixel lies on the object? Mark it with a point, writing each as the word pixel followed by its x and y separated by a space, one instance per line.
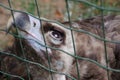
pixel 56 35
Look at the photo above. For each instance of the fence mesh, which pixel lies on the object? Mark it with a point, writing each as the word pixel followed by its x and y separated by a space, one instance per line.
pixel 102 9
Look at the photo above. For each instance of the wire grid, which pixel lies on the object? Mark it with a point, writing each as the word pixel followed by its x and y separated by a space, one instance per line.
pixel 101 7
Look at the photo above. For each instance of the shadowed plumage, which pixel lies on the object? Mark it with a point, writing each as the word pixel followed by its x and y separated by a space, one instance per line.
pixel 32 30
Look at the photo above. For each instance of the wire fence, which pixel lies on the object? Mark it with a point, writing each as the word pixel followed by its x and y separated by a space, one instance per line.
pixel 102 8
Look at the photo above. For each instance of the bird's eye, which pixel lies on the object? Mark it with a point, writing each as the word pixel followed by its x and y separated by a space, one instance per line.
pixel 34 24
pixel 56 35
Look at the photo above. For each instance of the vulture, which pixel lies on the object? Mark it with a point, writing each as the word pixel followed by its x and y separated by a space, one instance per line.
pixel 44 50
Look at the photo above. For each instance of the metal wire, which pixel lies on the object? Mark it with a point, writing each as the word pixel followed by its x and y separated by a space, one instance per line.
pixel 104 36
pixel 67 7
pixel 102 8
pixel 21 45
pixel 48 57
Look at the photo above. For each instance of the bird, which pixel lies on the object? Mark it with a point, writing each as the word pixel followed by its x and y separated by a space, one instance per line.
pixel 44 50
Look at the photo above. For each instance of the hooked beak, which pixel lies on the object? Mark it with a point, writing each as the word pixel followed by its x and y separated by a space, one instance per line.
pixel 29 28
pixel 18 20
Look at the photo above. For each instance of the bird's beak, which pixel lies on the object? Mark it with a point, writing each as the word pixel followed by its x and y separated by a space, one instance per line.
pixel 19 20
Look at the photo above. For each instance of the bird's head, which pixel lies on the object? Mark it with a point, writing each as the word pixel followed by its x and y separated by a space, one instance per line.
pixel 38 34
pixel 29 29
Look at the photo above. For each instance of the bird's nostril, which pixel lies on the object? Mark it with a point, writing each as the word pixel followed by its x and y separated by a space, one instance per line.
pixel 34 24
